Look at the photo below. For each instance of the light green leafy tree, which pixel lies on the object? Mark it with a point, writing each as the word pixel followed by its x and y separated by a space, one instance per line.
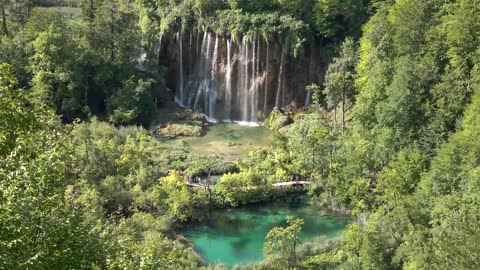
pixel 340 78
pixel 281 244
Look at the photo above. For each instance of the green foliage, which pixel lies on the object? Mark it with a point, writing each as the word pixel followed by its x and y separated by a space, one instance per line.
pixel 90 195
pixel 132 103
pixel 240 188
pixel 302 150
pixel 276 120
pixel 38 227
pixel 83 67
pixel 401 176
pixel 138 243
pixel 316 93
pixel 51 66
pixel 15 117
pixel 175 194
pixel 205 165
pixel 126 167
pixel 338 19
pixel 187 130
pixel 281 244
pixel 291 22
pixel 339 79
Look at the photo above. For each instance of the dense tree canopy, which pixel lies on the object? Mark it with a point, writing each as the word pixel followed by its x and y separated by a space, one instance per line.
pixel 80 188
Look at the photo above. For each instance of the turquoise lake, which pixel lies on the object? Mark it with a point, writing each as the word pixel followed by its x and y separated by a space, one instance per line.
pixel 236 236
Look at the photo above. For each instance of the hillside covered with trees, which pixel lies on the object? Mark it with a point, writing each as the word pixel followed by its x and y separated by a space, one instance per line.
pixel 390 134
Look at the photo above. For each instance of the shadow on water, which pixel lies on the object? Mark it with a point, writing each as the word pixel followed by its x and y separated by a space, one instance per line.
pixel 233 236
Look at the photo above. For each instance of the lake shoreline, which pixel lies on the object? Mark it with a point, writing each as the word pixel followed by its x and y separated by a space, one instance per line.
pixel 275 212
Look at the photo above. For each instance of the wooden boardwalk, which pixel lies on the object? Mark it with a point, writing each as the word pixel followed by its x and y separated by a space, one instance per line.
pixel 195 185
pixel 292 183
pixel 281 184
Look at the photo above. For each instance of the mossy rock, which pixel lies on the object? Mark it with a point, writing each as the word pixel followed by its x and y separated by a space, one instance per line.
pixel 276 120
pixel 232 144
pixel 174 130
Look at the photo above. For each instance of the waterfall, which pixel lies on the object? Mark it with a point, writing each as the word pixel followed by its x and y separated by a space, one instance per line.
pixel 190 42
pixel 244 77
pixel 180 96
pixel 309 92
pixel 195 77
pixel 266 73
pixel 212 91
pixel 284 83
pixel 190 56
pixel 247 83
pixel 240 75
pixel 214 59
pixel 213 71
pixel 228 82
pixel 198 42
pixel 256 80
pixel 205 83
pixel 252 89
pixel 280 81
pixel 259 80
pixel 206 55
pixel 160 44
pixel 201 70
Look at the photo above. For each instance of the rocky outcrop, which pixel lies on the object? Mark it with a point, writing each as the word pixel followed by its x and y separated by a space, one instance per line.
pixel 276 120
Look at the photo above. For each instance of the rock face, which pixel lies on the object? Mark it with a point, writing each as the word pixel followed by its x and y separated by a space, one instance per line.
pixel 238 81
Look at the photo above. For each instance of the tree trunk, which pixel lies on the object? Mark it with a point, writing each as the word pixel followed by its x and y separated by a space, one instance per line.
pixel 92 13
pixel 112 32
pixel 343 110
pixel 29 8
pixel 86 152
pixel 335 115
pixel 4 18
pixel 87 78
pixel 294 253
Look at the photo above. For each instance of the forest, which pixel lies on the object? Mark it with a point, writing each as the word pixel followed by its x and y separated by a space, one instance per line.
pixel 374 103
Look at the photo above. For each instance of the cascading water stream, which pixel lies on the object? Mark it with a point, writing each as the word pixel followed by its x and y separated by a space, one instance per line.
pixel 160 39
pixel 266 73
pixel 180 96
pixel 212 92
pixel 228 82
pixel 235 76
pixel 309 92
pixel 201 71
pixel 280 81
pixel 251 92
pixel 258 81
pixel 246 83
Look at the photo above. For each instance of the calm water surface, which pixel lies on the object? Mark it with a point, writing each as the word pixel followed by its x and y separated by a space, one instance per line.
pixel 237 236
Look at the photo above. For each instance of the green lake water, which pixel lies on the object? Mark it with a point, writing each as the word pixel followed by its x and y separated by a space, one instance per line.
pixel 237 236
pixel 226 140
